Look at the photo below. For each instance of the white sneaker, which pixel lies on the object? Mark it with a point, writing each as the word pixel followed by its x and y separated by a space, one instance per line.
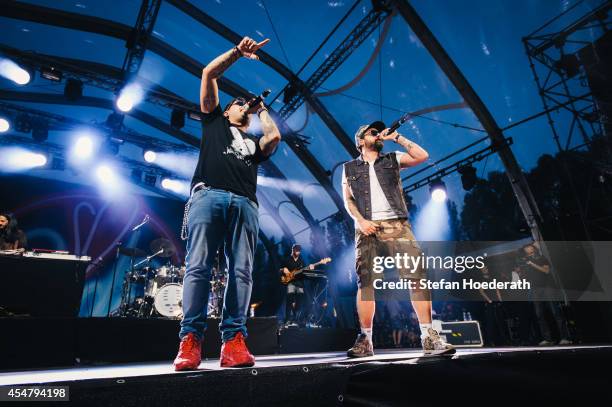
pixel 546 343
pixel 565 342
pixel 433 344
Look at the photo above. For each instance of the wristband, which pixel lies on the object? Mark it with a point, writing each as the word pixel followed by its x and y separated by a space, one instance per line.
pixel 261 109
pixel 238 50
pixel 396 139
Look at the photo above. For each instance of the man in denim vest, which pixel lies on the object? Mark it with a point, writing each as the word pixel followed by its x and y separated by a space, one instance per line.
pixel 373 197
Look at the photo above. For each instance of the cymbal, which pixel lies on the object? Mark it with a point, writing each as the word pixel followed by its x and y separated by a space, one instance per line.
pixel 162 244
pixel 132 252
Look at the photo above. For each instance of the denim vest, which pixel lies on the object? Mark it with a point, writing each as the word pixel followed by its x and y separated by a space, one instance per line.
pixel 387 171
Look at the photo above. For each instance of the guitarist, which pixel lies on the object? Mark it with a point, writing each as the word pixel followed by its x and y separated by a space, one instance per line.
pixel 295 289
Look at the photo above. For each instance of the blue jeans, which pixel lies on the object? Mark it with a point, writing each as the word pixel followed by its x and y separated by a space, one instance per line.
pixel 217 216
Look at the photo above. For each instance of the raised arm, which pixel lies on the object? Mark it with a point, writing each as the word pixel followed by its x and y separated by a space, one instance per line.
pixel 271 135
pixel 209 90
pixel 415 154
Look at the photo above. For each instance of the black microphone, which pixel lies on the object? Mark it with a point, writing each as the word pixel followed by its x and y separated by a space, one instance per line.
pixel 396 124
pixel 259 98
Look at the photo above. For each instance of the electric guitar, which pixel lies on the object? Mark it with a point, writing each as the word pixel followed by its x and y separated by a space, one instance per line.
pixel 287 278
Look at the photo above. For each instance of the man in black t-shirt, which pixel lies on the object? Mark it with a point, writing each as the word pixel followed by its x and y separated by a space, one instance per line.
pixel 222 209
pixel 537 269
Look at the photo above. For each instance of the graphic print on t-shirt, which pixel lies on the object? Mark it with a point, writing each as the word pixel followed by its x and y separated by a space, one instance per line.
pixel 241 148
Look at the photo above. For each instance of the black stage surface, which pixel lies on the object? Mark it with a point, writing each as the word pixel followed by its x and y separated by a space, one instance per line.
pixel 485 376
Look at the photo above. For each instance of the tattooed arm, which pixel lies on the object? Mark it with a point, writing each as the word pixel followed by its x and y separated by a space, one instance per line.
pixel 209 90
pixel 271 135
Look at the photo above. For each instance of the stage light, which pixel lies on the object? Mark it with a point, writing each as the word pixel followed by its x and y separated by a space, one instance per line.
pixel 15 159
pixel 50 73
pixel 40 132
pixel 150 156
pixel 83 147
pixel 177 186
pixel 112 145
pixel 177 118
pixel 23 124
pixel 58 163
pixel 73 90
pixel 130 96
pixel 150 179
pixel 105 174
pixel 5 125
pixel 10 70
pixel 114 120
pixel 468 177
pixel 437 190
pixel 289 93
pixel 136 175
pixel 569 64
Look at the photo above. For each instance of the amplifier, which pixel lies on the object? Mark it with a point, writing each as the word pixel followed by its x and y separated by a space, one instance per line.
pixel 461 334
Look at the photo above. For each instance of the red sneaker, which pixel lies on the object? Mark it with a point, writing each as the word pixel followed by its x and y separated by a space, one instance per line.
pixel 234 353
pixel 189 354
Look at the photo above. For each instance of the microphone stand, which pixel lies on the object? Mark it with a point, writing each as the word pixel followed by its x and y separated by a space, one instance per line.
pixel 112 288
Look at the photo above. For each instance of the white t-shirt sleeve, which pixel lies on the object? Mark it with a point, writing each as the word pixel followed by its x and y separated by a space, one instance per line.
pixel 344 181
pixel 398 156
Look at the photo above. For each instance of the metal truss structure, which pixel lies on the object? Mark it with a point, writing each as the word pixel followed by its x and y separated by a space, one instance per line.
pixel 571 68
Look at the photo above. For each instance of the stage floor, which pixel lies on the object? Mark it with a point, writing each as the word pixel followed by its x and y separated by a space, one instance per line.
pixel 120 371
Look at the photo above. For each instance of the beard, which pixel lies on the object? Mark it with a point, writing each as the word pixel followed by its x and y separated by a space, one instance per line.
pixel 378 145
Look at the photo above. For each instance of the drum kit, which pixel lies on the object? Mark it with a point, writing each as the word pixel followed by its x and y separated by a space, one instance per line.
pixel 157 292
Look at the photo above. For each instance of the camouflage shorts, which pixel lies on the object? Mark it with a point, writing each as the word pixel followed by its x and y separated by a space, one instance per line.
pixel 394 236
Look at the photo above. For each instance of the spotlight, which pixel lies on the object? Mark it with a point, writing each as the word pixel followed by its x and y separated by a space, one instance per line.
pixel 50 73
pixel 136 175
pixel 150 179
pixel 468 177
pixel 84 147
pixel 569 64
pixel 73 90
pixel 437 189
pixel 130 96
pixel 35 159
pixel 177 119
pixel 40 132
pixel 174 185
pixel 105 174
pixel 112 145
pixel 23 124
pixel 5 125
pixel 289 93
pixel 58 163
pixel 15 159
pixel 114 120
pixel 150 156
pixel 10 70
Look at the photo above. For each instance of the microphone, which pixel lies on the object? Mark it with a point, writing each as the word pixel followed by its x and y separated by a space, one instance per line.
pixel 252 103
pixel 396 124
pixel 141 224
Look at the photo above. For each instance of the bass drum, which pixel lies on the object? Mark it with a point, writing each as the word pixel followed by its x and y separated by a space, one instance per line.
pixel 168 301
